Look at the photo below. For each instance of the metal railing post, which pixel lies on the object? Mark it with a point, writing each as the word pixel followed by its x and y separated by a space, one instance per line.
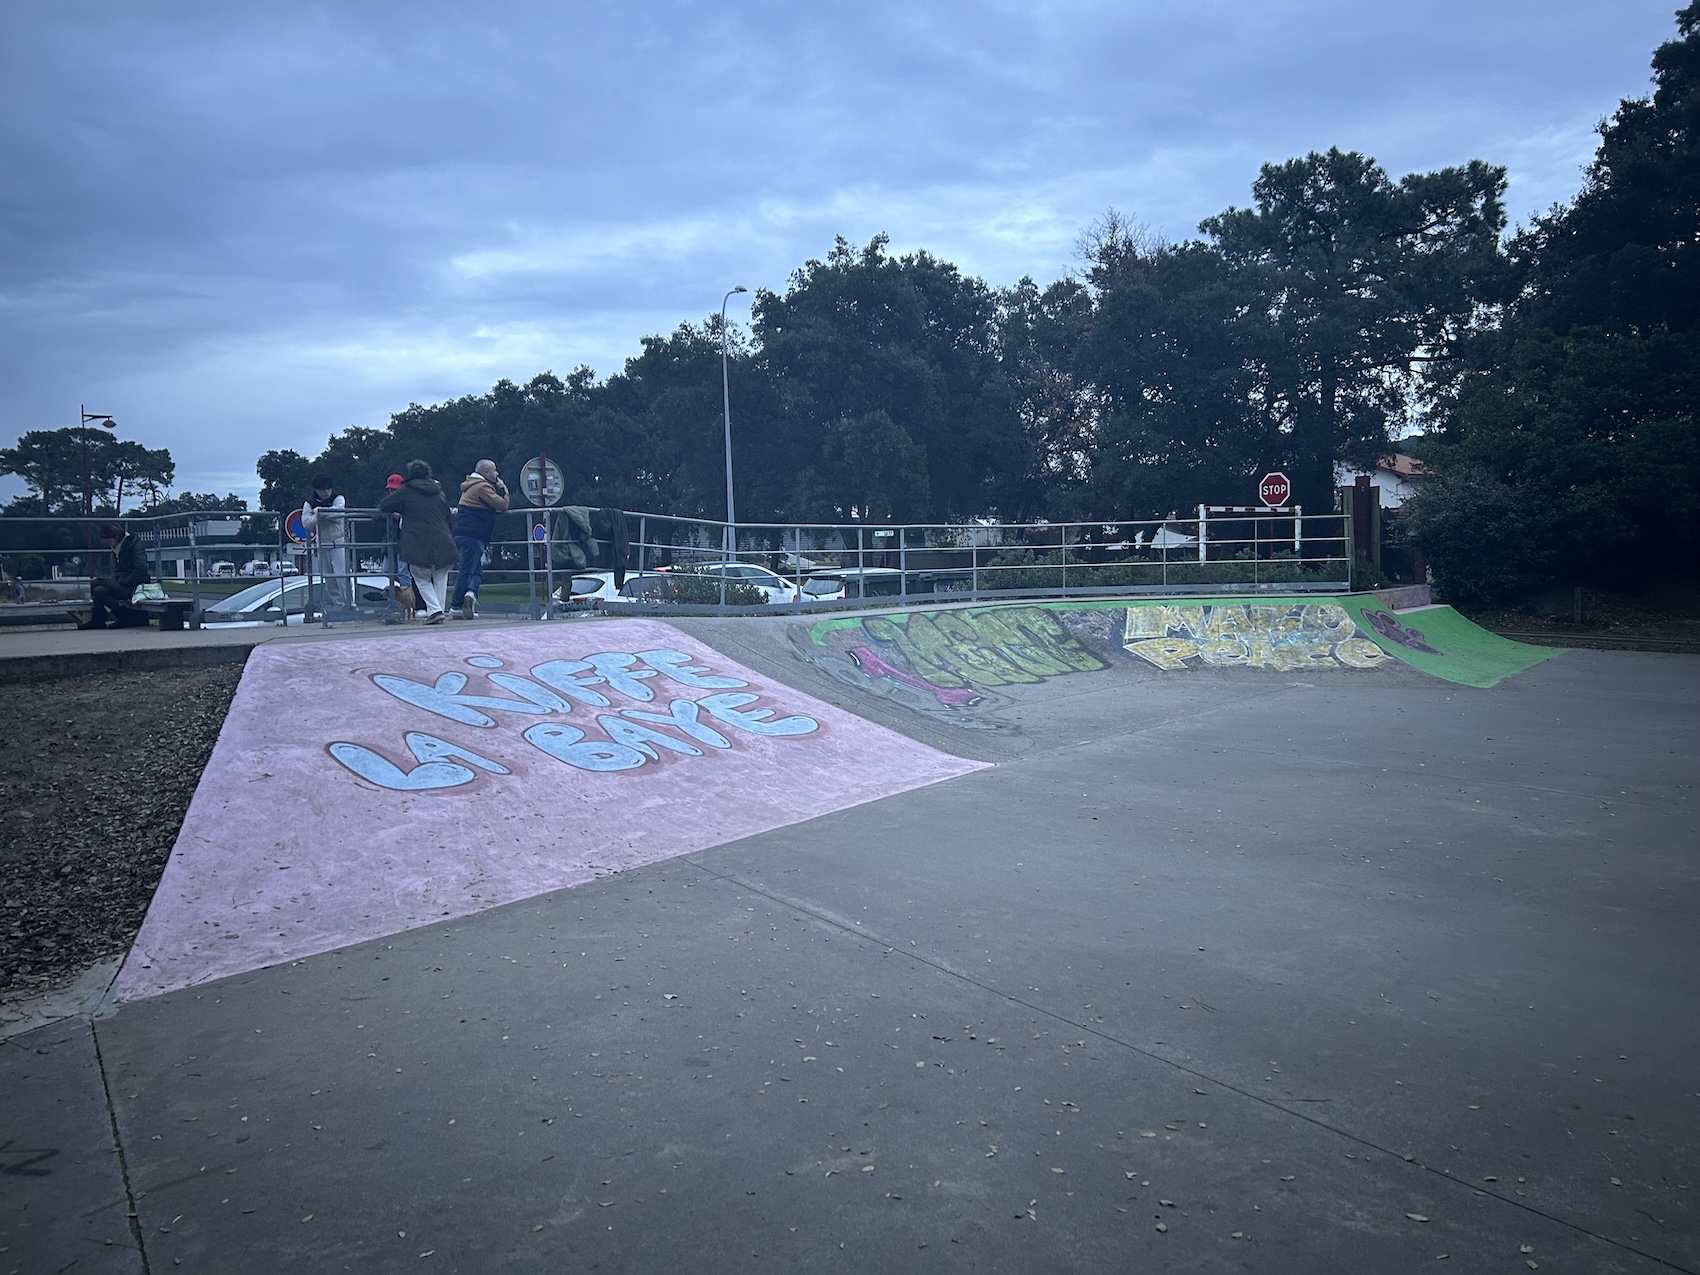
pixel 548 565
pixel 194 574
pixel 531 568
pixel 1203 521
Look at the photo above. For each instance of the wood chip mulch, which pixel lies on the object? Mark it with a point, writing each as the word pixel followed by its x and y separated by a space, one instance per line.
pixel 95 778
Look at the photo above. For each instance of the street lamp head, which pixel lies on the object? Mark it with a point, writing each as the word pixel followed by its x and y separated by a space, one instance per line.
pixel 740 288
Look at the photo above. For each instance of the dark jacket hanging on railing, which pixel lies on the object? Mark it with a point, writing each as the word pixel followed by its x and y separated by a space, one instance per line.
pixel 593 539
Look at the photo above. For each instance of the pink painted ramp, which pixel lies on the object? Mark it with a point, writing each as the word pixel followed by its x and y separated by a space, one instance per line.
pixel 364 788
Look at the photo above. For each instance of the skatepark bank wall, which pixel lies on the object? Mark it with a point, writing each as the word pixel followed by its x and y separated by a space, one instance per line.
pixel 942 662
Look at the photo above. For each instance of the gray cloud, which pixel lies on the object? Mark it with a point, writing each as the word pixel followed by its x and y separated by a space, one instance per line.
pixel 238 227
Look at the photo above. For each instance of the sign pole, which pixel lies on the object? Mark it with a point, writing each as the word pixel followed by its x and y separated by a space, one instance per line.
pixel 542 483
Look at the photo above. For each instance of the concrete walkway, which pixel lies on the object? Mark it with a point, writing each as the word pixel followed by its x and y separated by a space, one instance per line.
pixel 1214 969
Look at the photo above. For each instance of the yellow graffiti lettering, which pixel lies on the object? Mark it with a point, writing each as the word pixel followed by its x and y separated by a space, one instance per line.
pixel 1231 622
pixel 1359 653
pixel 1165 652
pixel 1224 652
pixel 1289 656
pixel 1146 622
pixel 1284 638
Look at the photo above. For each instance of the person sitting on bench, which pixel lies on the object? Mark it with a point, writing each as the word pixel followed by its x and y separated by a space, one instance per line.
pixel 112 593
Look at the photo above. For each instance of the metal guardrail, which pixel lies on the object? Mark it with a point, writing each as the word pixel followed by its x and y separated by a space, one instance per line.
pixel 207 556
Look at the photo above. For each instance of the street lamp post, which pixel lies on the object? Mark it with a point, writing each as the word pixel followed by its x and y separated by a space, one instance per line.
pixel 84 417
pixel 83 437
pixel 726 398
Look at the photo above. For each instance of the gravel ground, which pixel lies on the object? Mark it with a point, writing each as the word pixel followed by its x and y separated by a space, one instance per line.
pixel 95 778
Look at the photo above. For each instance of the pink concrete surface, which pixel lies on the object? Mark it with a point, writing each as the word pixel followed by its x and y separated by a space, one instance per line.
pixel 287 851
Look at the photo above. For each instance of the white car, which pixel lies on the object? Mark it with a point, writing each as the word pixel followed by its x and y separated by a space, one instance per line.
pixel 823 589
pixel 261 568
pixel 776 586
pixel 272 601
pixel 858 582
pixel 593 588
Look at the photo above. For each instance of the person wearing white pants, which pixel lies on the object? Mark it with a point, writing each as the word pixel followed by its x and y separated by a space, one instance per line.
pixel 426 544
pixel 430 583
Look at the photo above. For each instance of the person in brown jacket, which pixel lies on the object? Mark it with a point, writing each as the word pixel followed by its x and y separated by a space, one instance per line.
pixel 483 495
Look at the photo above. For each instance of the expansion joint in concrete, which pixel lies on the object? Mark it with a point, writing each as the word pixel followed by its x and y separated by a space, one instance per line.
pixel 134 1215
pixel 890 947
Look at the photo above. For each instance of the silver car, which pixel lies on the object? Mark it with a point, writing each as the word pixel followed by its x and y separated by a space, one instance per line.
pixel 285 601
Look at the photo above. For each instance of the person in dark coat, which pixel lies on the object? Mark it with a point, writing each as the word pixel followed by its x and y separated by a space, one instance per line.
pixel 112 593
pixel 427 543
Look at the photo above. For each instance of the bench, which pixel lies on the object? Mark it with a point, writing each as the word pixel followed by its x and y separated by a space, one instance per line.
pixel 173 614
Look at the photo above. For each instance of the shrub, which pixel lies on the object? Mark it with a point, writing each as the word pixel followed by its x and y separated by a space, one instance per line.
pixel 1487 542
pixel 702 588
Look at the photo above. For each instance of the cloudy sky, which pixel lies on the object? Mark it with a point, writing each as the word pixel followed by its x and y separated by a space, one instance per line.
pixel 237 227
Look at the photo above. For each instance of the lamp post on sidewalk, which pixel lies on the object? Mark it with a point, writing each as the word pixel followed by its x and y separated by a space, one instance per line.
pixel 726 398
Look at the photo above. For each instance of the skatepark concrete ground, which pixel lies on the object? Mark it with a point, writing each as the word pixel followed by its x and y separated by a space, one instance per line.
pixel 1211 969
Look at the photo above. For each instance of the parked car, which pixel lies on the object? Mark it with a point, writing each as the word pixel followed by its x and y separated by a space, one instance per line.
pixel 823 588
pixel 273 600
pixel 224 569
pixel 593 588
pixel 884 582
pixel 776 586
pixel 862 582
pixel 260 567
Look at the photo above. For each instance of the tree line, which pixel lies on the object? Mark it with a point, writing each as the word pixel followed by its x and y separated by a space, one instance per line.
pixel 1546 380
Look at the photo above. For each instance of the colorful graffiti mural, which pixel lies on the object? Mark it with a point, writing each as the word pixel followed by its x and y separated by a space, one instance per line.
pixel 939 663
pixel 361 788
pixel 956 665
pixel 1284 638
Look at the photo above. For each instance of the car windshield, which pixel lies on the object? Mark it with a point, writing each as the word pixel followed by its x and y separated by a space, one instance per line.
pixel 822 587
pixel 587 584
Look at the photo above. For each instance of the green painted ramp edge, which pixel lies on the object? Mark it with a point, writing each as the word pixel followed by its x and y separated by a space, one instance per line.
pixel 1462 651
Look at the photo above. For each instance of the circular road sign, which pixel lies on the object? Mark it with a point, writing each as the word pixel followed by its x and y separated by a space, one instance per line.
pixel 541 481
pixel 540 533
pixel 1274 489
pixel 296 528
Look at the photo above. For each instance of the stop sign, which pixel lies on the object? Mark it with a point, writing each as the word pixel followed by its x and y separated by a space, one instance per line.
pixel 1273 489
